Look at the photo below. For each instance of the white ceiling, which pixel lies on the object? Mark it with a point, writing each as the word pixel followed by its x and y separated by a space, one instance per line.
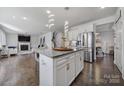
pixel 32 20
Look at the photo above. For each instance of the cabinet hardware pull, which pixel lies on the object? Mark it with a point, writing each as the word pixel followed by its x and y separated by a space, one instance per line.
pixel 43 63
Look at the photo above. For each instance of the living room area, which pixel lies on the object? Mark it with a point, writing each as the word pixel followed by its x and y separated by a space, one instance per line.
pixel 17 61
pixel 13 44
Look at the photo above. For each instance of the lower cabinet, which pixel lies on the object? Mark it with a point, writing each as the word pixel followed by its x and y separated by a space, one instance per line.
pixel 82 60
pixel 65 73
pixel 60 71
pixel 61 75
pixel 79 56
pixel 78 63
pixel 46 71
pixel 70 70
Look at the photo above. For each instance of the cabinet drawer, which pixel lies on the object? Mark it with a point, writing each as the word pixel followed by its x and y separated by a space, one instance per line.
pixel 63 60
pixel 59 63
pixel 63 57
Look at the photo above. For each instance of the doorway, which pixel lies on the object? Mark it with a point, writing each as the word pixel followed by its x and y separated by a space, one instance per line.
pixel 104 40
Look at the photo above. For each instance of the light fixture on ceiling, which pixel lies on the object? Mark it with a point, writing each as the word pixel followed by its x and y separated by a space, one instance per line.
pixel 24 18
pixel 51 15
pixel 13 17
pixel 66 27
pixel 51 20
pixel 48 11
pixel 66 22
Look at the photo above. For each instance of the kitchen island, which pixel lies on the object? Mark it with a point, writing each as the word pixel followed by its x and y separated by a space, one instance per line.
pixel 59 68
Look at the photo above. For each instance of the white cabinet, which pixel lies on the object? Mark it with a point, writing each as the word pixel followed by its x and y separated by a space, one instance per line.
pixel 46 70
pixel 65 72
pixel 77 63
pixel 60 71
pixel 2 38
pixel 70 70
pixel 61 74
pixel 82 59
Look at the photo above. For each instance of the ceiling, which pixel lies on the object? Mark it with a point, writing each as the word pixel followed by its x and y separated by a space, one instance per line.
pixel 32 20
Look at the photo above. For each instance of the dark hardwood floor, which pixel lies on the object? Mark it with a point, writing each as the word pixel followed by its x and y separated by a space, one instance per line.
pixel 18 71
pixel 103 72
pixel 22 70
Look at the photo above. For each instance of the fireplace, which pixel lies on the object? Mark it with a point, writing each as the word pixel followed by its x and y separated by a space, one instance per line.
pixel 24 47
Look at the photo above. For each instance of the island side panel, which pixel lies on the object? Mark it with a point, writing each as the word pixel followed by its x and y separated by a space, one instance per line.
pixel 46 70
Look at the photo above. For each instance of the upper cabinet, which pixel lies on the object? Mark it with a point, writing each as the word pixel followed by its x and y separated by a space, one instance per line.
pixel 2 38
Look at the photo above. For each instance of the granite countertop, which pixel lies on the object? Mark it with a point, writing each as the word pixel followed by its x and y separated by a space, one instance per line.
pixel 53 53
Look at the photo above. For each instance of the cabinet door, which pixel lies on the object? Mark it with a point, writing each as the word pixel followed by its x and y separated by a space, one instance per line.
pixel 61 75
pixel 78 63
pixel 82 59
pixel 70 70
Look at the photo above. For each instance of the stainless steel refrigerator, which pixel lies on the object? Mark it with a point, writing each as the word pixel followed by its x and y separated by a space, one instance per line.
pixel 89 43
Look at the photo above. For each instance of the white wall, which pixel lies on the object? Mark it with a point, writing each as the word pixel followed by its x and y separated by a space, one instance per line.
pixel 88 27
pixel 106 20
pixel 35 41
pixel 107 40
pixel 48 38
pixel 12 39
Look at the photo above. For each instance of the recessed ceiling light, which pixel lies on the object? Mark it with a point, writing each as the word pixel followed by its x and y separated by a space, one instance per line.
pixel 48 11
pixel 13 17
pixel 24 18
